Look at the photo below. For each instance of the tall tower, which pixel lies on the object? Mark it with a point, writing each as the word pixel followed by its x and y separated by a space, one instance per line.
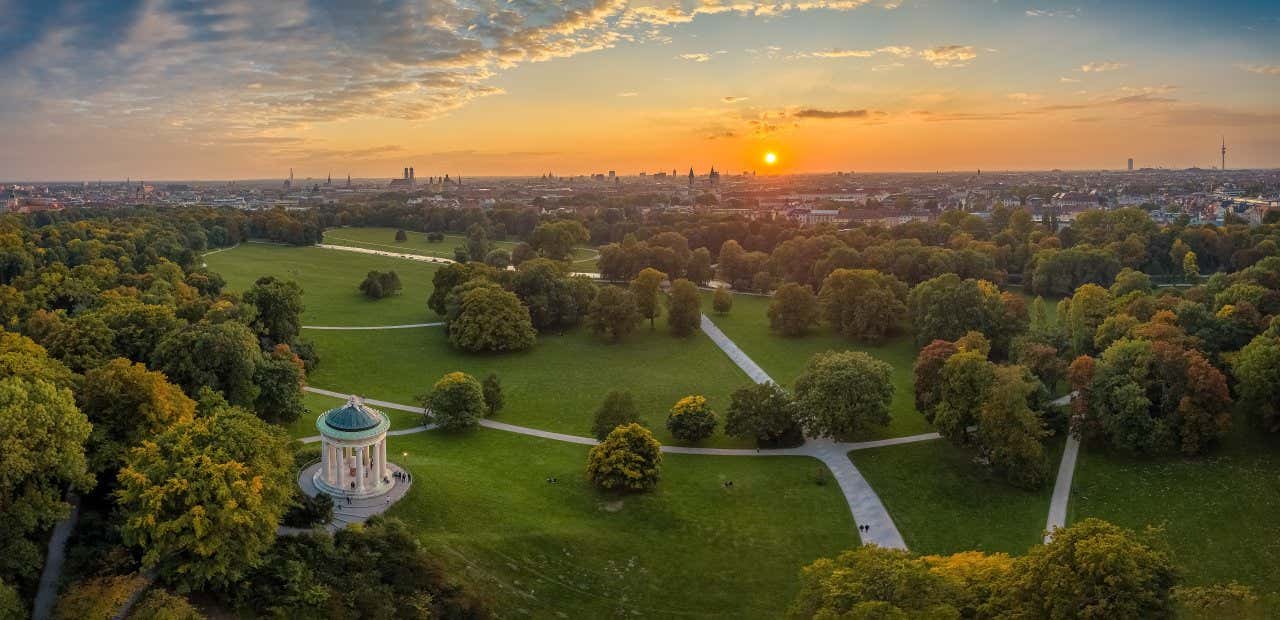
pixel 1224 153
pixel 690 177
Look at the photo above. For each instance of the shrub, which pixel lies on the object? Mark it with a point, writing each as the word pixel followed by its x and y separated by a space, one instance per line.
pixel 456 401
pixel 435 237
pixel 629 459
pixel 691 419
pixel 722 301
pixel 401 235
pixel 379 284
pixel 492 388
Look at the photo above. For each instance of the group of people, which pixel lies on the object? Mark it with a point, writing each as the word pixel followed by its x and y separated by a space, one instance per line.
pixel 864 528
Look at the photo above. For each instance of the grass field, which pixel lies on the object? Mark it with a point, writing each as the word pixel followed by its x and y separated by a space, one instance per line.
pixel 692 547
pixel 555 386
pixel 942 502
pixel 330 281
pixel 584 259
pixel 1218 512
pixel 747 324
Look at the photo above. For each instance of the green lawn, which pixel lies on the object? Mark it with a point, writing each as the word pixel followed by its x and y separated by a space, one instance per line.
pixel 692 547
pixel 330 281
pixel 942 502
pixel 416 243
pixel 1218 512
pixel 555 386
pixel 747 324
pixel 305 426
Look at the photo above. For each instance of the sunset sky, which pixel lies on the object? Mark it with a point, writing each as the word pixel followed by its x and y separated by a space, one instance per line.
pixel 240 89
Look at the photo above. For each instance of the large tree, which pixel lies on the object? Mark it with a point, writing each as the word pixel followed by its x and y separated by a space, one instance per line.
pixel 280 378
pixel 456 401
pixel 222 356
pixel 764 413
pixel 842 394
pixel 646 289
pixel 863 304
pixel 127 403
pixel 1089 308
pixel 1009 432
pixel 203 499
pixel 488 318
pixel 555 240
pixel 629 459
pixel 42 435
pixel 279 304
pixel 1257 371
pixel 613 313
pixel 793 310
pixel 965 379
pixel 928 375
pixel 946 307
pixel 684 308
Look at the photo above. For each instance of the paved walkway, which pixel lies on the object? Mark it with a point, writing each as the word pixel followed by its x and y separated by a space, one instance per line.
pixel 1062 486
pixel 357 510
pixel 417 257
pixel 736 355
pixel 47 593
pixel 372 327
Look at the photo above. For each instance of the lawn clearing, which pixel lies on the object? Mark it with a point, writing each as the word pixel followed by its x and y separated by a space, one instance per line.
pixel 555 386
pixel 692 547
pixel 1218 512
pixel 330 281
pixel 747 324
pixel 376 238
pixel 943 503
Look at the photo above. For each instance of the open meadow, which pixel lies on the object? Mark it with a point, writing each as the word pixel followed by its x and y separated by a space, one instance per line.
pixel 375 238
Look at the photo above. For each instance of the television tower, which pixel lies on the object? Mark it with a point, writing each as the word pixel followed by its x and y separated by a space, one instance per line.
pixel 1224 153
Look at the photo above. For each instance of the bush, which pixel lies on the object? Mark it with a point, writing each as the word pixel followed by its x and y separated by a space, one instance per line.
pixel 379 284
pixel 618 409
pixel 629 459
pixel 722 300
pixel 160 604
pixel 492 388
pixel 401 235
pixel 691 419
pixel 435 237
pixel 456 401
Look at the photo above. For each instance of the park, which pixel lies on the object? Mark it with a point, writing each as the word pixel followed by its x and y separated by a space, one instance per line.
pixel 482 502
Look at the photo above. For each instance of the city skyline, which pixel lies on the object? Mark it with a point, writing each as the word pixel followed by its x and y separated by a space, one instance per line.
pixel 225 90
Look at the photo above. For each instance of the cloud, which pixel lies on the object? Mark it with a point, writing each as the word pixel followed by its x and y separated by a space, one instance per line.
pixel 833 114
pixel 732 99
pixel 700 56
pixel 1261 69
pixel 1099 67
pixel 1067 13
pixel 628 94
pixel 901 51
pixel 1025 97
pixel 949 55
pixel 1068 80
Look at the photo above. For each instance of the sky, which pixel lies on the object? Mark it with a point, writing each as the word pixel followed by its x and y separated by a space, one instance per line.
pixel 225 89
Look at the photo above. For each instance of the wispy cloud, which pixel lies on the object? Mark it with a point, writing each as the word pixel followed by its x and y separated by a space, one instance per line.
pixel 1101 66
pixel 1068 80
pixel 949 55
pixel 1067 13
pixel 701 56
pixel 630 93
pixel 834 114
pixel 732 99
pixel 940 56
pixel 1261 69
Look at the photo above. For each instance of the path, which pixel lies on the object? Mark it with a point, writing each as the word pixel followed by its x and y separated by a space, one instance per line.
pixel 417 257
pixel 1062 486
pixel 368 327
pixel 736 355
pixel 356 510
pixel 52 573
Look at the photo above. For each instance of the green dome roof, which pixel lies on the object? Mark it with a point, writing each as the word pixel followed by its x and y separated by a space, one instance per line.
pixel 352 417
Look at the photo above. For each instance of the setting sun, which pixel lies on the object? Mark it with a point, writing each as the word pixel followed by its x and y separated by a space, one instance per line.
pixel 771 158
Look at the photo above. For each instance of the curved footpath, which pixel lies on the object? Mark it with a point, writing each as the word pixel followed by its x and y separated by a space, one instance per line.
pixel 1062 486
pixel 369 327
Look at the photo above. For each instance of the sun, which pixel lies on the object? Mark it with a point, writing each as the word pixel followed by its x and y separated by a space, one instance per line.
pixel 771 158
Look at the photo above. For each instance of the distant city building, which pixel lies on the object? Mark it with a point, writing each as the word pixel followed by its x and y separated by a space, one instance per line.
pixel 406 182
pixel 1130 164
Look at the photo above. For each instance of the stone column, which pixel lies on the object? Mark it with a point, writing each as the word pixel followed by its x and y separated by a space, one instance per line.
pixel 342 466
pixel 324 460
pixel 382 459
pixel 360 453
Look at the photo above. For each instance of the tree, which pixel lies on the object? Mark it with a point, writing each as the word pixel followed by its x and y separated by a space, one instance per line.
pixel 11 605
pixel 873 582
pixel 138 327
pixel 379 284
pixel 618 409
pixel 965 379
pixel 928 376
pixel 722 300
pixel 477 242
pixel 863 304
pixel 492 388
pixel 629 459
pixel 684 308
pixel 222 356
pixel 160 604
pixel 645 289
pixel 1190 267
pixel 555 240
pixel 793 309
pixel 762 412
pixel 691 419
pixel 401 235
pixel 1042 360
pixel 279 304
pixel 613 313
pixel 99 598
pixel 490 319
pixel 127 403
pixel 456 401
pixel 1130 280
pixel 43 435
pixel 699 268
pixel 498 258
pixel 842 394
pixel 522 252
pixel 81 343
pixel 280 378
pixel 203 499
pixel 1257 370
pixel 1091 569
pixel 1090 306
pixel 946 307
pixel 1009 432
